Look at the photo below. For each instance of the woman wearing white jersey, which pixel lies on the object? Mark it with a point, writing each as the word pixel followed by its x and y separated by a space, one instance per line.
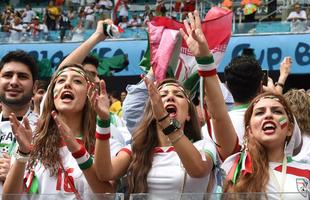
pixel 58 160
pixel 262 165
pixel 167 155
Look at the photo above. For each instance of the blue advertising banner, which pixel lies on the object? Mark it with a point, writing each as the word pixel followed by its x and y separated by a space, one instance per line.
pixel 269 49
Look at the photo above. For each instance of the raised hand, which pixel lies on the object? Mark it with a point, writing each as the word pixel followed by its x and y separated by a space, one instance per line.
pixel 66 133
pixel 99 28
pixel 22 133
pixel 99 100
pixel 285 68
pixel 194 36
pixel 156 102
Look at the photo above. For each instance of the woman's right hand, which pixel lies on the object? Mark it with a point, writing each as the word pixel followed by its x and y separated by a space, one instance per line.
pixel 99 30
pixel 22 133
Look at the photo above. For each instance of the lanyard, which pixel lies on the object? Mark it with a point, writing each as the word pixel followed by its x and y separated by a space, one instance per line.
pixel 280 188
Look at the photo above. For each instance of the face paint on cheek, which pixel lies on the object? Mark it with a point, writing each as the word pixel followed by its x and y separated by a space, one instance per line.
pixel 56 92
pixel 283 122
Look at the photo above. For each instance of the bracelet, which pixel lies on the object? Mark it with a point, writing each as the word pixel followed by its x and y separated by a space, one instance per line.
pixel 279 84
pixel 22 153
pixel 103 129
pixel 206 66
pixel 163 118
pixel 173 142
pixel 83 158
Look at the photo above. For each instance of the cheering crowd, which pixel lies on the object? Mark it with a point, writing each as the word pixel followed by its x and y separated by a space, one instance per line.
pixel 73 146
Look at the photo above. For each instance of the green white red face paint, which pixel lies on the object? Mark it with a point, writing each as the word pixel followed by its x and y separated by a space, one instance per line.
pixel 283 122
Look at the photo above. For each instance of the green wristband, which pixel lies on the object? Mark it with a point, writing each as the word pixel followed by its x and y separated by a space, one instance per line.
pixel 86 164
pixel 103 123
pixel 205 60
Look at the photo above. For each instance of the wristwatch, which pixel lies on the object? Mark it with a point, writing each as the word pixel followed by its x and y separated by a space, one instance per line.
pixel 173 126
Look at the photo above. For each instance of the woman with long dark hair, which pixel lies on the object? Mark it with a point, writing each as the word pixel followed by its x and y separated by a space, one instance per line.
pixel 57 160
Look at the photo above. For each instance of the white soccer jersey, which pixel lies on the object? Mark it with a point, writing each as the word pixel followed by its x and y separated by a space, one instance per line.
pixel 59 186
pixel 167 174
pixel 296 179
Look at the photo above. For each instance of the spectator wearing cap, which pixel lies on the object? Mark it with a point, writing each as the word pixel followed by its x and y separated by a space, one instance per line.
pixel 37 31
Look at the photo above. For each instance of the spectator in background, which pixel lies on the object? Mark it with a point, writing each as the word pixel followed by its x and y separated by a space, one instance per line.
pixel 78 32
pixel 52 14
pixel 272 7
pixel 105 7
pixel 188 6
pixel 40 89
pixel 298 19
pixel 299 103
pixel 37 30
pixel 64 25
pixel 160 9
pixel 123 22
pixel 16 30
pixel 227 4
pixel 90 15
pixel 123 9
pixel 116 105
pixel 90 65
pixel 249 9
pixel 28 14
pixel 123 96
pixel 135 21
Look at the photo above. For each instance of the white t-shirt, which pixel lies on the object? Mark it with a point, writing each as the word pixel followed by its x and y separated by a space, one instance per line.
pixel 296 179
pixel 29 14
pixel 90 13
pixel 59 186
pixel 167 174
pixel 237 118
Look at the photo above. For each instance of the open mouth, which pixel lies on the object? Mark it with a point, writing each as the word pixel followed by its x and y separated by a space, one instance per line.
pixel 269 127
pixel 172 110
pixel 67 95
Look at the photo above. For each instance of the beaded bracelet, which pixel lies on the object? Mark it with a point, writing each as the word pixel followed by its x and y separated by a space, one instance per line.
pixel 83 158
pixel 103 128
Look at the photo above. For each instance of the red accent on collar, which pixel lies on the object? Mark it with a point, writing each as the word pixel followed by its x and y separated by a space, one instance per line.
pixel 161 150
pixel 295 171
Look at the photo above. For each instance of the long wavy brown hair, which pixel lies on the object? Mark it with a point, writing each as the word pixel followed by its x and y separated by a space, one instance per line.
pixel 47 139
pixel 257 181
pixel 145 139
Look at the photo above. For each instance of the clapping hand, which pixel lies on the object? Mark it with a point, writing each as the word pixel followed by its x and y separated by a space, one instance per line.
pixel 66 133
pixel 22 133
pixel 99 100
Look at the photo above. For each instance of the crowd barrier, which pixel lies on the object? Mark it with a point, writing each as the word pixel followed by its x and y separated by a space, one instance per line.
pixel 171 196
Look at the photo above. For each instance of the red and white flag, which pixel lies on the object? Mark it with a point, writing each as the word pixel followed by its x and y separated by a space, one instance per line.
pixel 166 47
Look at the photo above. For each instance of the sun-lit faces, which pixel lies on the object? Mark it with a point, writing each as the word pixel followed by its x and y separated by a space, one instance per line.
pixel 70 90
pixel 269 123
pixel 175 101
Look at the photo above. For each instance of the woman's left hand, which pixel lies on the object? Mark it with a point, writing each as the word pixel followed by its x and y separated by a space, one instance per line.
pixel 194 36
pixel 100 100
pixel 66 133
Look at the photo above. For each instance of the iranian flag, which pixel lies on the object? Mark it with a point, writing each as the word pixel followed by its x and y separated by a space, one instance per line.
pixel 169 54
